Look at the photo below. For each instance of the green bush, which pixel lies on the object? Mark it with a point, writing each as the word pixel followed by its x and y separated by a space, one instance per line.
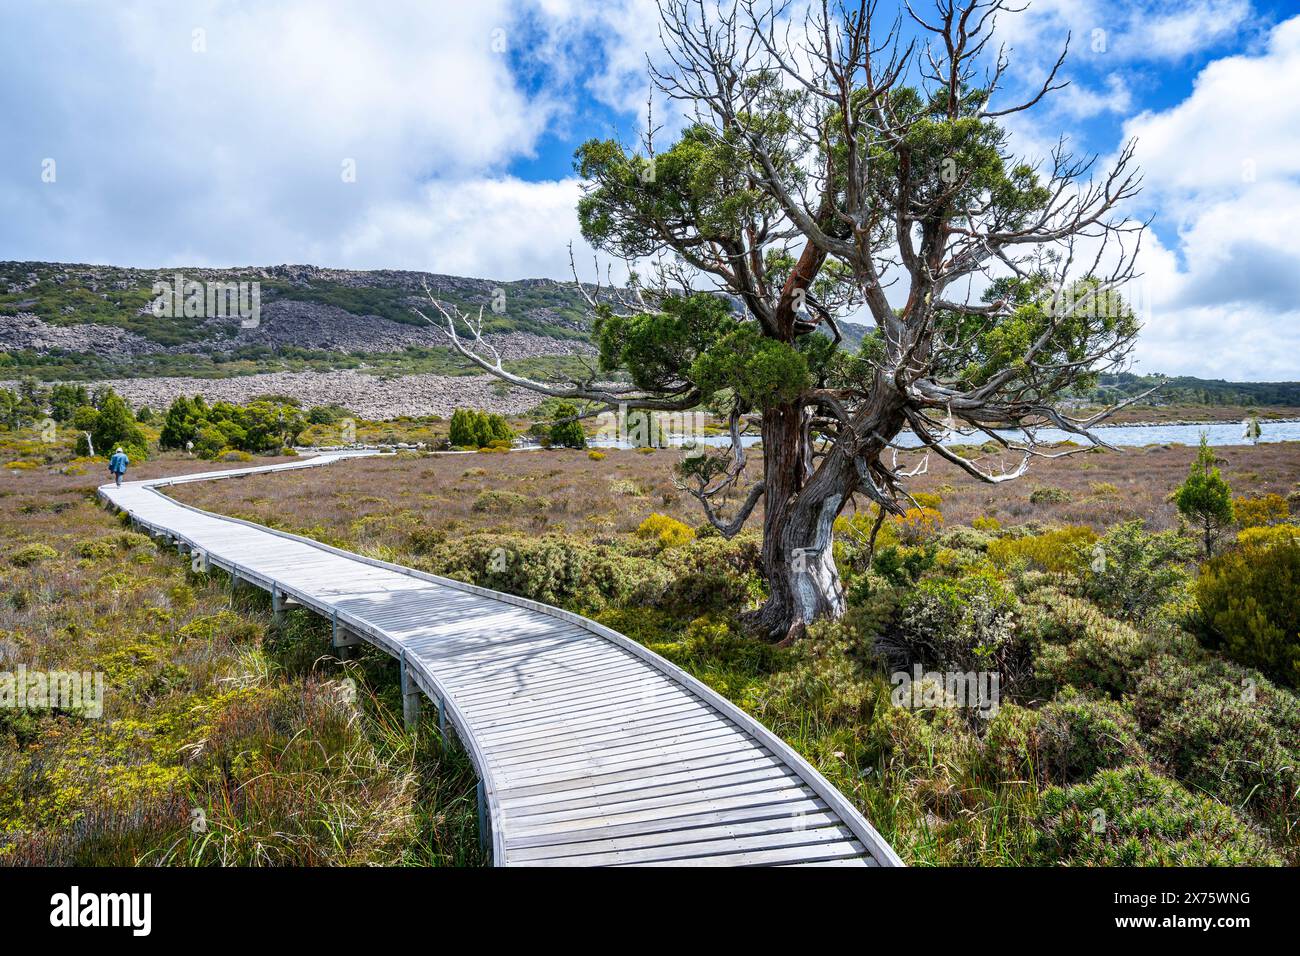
pixel 1248 601
pixel 1049 496
pixel 209 441
pixel 1224 730
pixel 1132 572
pixel 567 434
pixel 115 427
pixel 1077 736
pixel 711 574
pixel 1134 817
pixel 508 502
pixel 551 569
pixel 1079 645
pixel 962 625
pixel 263 425
pixel 31 554
pixel 1060 551
pixel 471 428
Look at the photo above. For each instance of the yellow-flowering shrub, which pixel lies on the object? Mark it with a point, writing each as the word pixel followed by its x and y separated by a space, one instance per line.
pixel 596 455
pixel 669 532
pixel 1261 511
pixel 1267 537
pixel 918 524
pixel 1060 551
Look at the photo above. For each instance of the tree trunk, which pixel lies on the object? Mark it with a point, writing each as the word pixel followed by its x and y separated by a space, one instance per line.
pixel 798 560
pixel 801 507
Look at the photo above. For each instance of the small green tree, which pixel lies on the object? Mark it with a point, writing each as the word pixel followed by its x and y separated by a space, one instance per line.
pixel 209 441
pixel 65 399
pixel 8 408
pixel 1205 499
pixel 566 430
pixel 115 425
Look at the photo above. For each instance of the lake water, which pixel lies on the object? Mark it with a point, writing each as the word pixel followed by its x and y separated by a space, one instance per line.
pixel 1219 434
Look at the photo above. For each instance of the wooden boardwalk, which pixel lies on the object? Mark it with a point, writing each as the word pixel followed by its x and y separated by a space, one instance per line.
pixel 590 749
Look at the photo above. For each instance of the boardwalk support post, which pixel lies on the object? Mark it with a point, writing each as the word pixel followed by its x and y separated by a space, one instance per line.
pixel 410 696
pixel 341 639
pixel 484 827
pixel 277 611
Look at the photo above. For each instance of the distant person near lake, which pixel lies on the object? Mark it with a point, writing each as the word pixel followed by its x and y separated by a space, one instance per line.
pixel 117 465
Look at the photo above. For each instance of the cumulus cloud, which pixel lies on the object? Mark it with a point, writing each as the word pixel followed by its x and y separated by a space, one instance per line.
pixel 1222 169
pixel 229 133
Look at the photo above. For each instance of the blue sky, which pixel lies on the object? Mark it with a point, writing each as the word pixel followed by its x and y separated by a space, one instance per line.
pixel 219 132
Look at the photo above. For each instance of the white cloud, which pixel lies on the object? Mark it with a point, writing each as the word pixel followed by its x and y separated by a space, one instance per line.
pixel 501 228
pixel 1223 167
pixel 236 153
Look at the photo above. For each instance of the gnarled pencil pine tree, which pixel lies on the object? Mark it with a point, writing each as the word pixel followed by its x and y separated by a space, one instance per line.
pixel 832 167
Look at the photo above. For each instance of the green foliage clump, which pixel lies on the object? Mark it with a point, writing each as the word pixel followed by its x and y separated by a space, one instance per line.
pixel 553 570
pixel 1248 602
pixel 115 426
pixel 471 428
pixel 1225 730
pixel 566 431
pixel 326 414
pixel 711 574
pixel 65 399
pixel 1135 817
pixel 959 625
pixel 1078 645
pixel 264 425
pixel 1077 736
pixel 494 501
pixel 1049 496
pixel 1133 572
pixel 1205 499
pixel 30 554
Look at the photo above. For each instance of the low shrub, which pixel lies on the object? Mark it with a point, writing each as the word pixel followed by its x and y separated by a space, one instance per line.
pixel 31 554
pixel 1248 602
pixel 1133 572
pixel 1049 496
pixel 918 525
pixel 507 502
pixel 1225 730
pixel 1266 537
pixel 1061 551
pixel 1079 645
pixel 1077 736
pixel 668 532
pixel 961 625
pixel 711 574
pixel 1135 817
pixel 596 455
pixel 1260 511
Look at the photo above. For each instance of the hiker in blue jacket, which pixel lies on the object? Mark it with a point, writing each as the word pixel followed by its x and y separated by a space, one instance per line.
pixel 117 465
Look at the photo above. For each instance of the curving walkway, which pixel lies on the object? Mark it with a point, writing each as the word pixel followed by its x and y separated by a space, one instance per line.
pixel 590 749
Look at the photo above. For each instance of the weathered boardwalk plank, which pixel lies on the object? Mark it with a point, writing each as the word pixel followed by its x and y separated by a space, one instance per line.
pixel 591 749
